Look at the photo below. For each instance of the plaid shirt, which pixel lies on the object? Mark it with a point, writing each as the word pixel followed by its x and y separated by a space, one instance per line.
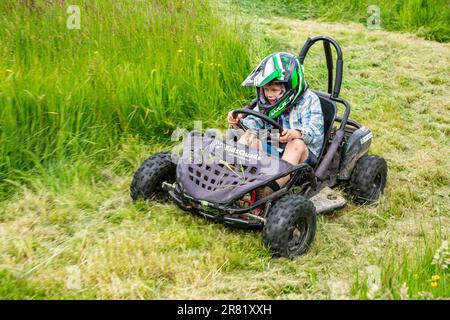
pixel 305 115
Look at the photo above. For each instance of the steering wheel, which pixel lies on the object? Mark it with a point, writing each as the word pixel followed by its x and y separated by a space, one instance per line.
pixel 259 115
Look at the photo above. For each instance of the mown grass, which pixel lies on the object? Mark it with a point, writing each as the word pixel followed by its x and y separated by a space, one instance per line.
pixel 72 210
pixel 427 18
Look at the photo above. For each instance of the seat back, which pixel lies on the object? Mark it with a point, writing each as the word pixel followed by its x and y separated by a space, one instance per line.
pixel 329 112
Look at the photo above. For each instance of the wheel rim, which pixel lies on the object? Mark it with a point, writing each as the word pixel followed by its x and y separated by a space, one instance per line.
pixel 376 186
pixel 297 236
pixel 160 194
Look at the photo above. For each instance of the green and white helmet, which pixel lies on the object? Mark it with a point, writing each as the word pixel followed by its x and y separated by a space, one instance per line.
pixel 282 68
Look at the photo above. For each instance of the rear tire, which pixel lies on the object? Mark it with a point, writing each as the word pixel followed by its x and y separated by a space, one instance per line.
pixel 368 179
pixel 290 227
pixel 148 179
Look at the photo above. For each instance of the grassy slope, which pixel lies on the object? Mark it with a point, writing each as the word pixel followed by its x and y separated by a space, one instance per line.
pixel 427 18
pixel 398 86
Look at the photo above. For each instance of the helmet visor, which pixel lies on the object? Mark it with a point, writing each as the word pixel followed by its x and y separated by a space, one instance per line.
pixel 268 70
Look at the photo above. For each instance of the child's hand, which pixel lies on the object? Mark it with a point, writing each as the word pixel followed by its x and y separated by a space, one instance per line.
pixel 234 121
pixel 288 135
pixel 285 136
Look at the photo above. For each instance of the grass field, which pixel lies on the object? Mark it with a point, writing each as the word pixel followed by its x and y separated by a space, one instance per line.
pixel 427 18
pixel 131 69
pixel 81 109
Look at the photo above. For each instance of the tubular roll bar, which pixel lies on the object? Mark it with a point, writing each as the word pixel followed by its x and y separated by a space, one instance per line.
pixel 339 62
pixel 333 91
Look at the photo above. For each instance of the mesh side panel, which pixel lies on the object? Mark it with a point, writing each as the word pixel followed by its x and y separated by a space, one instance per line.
pixel 222 176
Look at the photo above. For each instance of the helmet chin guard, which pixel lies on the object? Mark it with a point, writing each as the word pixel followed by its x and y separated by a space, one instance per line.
pixel 281 68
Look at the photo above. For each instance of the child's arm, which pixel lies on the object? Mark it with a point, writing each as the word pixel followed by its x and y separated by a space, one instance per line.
pixel 290 134
pixel 234 121
pixel 253 123
pixel 249 122
pixel 308 120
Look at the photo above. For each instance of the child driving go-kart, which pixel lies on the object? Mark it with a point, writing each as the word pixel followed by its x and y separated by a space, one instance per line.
pixel 279 180
pixel 283 95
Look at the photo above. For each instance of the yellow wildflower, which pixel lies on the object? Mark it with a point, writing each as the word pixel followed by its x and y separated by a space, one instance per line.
pixel 179 4
pixel 434 284
pixel 435 277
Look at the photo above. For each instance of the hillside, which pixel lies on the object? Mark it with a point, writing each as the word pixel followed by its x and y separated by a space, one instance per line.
pixel 88 240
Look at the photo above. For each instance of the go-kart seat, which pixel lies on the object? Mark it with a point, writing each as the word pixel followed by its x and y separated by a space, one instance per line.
pixel 329 111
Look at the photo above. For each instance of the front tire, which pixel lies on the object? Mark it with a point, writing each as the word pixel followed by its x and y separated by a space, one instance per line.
pixel 148 179
pixel 290 227
pixel 368 179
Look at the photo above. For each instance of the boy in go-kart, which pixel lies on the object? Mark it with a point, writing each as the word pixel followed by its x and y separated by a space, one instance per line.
pixel 282 95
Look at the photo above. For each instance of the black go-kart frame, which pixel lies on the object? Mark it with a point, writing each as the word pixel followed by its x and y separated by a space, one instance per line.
pixel 213 188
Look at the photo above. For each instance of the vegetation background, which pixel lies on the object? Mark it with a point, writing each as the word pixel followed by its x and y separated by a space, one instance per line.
pixel 80 109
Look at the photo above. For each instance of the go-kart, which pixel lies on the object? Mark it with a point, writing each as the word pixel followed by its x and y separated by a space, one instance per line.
pixel 213 175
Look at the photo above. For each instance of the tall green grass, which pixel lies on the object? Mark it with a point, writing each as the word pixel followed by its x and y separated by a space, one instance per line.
pixel 427 18
pixel 135 67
